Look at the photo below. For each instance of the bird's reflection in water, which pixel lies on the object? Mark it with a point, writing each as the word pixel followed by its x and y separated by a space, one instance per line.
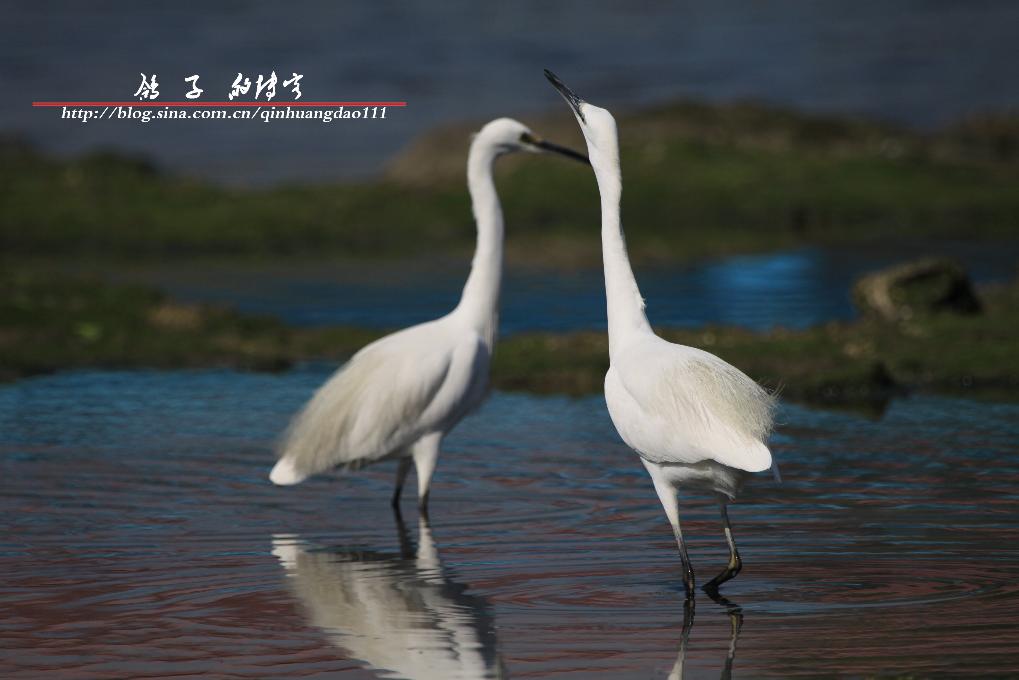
pixel 401 614
pixel 735 624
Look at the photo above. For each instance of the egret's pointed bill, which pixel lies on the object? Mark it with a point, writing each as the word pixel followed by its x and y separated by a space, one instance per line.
pixel 569 95
pixel 546 145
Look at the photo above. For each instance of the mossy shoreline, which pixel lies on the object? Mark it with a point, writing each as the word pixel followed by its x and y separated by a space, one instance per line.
pixel 51 322
pixel 700 180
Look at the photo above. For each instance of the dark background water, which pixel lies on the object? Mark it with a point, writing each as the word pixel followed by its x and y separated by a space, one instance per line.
pixel 142 538
pixel 918 62
pixel 794 289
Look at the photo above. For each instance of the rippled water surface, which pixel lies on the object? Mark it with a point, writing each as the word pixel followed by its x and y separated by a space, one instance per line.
pixel 143 539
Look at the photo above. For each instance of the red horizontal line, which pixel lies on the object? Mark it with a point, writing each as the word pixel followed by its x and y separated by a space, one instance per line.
pixel 220 104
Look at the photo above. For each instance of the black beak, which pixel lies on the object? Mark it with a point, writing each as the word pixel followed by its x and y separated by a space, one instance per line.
pixel 562 150
pixel 569 95
pixel 538 143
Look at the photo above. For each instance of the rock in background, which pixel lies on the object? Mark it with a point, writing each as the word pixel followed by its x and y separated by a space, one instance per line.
pixel 915 289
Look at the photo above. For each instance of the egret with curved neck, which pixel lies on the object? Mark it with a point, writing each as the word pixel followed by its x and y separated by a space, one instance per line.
pixel 695 420
pixel 400 395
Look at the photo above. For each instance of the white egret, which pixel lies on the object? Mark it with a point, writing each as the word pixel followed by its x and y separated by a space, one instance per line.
pixel 695 420
pixel 400 395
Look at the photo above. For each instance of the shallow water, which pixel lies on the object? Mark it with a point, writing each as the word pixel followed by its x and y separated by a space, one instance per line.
pixel 794 289
pixel 143 539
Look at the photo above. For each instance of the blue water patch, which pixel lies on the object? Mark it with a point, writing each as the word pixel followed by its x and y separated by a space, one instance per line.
pixel 792 289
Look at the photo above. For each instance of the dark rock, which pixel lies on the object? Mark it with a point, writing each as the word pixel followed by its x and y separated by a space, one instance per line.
pixel 914 289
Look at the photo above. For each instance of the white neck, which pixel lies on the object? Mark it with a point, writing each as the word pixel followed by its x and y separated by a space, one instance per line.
pixel 625 305
pixel 479 304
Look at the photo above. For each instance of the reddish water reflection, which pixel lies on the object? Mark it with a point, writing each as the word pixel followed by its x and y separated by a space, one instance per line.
pixel 142 539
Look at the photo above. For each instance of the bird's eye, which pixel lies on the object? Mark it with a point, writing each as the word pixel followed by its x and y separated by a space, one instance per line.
pixel 527 138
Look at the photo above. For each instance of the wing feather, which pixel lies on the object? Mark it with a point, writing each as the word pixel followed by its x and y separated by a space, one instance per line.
pixel 677 404
pixel 371 407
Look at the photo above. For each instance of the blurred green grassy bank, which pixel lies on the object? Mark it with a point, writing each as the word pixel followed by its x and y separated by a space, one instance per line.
pixel 698 180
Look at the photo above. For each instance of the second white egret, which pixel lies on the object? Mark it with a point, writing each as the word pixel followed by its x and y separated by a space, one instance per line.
pixel 400 395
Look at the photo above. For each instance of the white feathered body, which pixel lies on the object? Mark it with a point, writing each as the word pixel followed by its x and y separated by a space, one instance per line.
pixel 694 418
pixel 400 395
pixel 394 391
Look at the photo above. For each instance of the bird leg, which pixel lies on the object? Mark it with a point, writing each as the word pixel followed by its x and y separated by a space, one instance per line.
pixel 735 563
pixel 426 454
pixel 688 577
pixel 403 467
pixel 667 495
pixel 402 533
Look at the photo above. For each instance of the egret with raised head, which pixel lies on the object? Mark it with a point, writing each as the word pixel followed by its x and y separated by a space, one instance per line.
pixel 695 420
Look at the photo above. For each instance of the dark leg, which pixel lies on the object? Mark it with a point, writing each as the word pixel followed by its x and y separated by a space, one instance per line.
pixel 688 577
pixel 403 467
pixel 735 563
pixel 667 495
pixel 402 533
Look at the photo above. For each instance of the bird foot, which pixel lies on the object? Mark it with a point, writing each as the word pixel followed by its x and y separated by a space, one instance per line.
pixel 734 567
pixel 711 587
